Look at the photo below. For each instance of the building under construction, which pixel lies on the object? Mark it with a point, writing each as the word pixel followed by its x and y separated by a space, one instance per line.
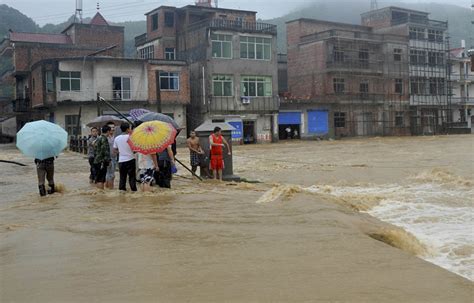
pixel 362 80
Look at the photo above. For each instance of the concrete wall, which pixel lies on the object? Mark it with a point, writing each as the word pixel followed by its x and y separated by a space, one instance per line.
pixel 96 77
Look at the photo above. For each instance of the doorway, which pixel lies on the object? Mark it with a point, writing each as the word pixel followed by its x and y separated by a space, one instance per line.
pixel 249 132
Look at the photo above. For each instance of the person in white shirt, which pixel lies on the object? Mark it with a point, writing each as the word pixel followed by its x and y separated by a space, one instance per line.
pixel 127 163
pixel 147 165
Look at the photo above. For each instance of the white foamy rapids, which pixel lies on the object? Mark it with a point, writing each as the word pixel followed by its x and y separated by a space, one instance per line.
pixel 440 217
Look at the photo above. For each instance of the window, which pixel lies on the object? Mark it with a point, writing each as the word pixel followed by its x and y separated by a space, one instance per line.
pixel 147 52
pixel 339 119
pixel 435 36
pixel 221 46
pixel 222 85
pixel 417 57
pixel 154 22
pixel 170 53
pixel 255 48
pixel 431 58
pixel 417 33
pixel 338 54
pixel 364 57
pixel 397 54
pixel 399 119
pixel 169 81
pixel 338 85
pixel 49 82
pixel 70 81
pixel 71 123
pixel 364 89
pixel 256 86
pixel 417 86
pixel 399 86
pixel 169 19
pixel 121 88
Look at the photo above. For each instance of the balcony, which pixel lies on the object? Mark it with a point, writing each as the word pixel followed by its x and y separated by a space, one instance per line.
pixel 461 78
pixel 229 105
pixel 350 35
pixel 355 66
pixel 140 40
pixel 234 25
pixel 421 21
pixel 21 105
pixel 462 101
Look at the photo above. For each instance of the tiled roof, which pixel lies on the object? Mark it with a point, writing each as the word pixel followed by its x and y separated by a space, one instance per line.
pixel 98 19
pixel 457 52
pixel 40 38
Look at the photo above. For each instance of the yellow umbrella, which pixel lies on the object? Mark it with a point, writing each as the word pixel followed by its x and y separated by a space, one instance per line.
pixel 152 137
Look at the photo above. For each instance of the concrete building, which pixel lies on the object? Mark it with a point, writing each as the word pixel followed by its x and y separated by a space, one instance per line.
pixel 65 90
pixel 462 93
pixel 428 49
pixel 344 80
pixel 232 63
pixel 21 51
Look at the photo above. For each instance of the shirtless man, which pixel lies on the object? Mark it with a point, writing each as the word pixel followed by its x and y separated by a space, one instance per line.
pixel 195 151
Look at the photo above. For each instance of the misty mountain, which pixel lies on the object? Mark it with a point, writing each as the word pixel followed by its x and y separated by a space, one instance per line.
pixel 459 18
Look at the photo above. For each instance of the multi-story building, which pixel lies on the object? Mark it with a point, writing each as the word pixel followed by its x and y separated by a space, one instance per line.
pixel 344 80
pixel 232 63
pixel 462 88
pixel 67 88
pixel 23 50
pixel 428 50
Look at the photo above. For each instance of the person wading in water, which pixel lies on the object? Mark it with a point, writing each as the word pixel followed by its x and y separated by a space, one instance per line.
pixel 195 151
pixel 217 142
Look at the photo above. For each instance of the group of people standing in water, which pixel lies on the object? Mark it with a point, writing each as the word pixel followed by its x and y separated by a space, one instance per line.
pixel 105 151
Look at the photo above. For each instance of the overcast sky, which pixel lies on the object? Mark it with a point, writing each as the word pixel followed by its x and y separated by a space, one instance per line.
pixel 56 11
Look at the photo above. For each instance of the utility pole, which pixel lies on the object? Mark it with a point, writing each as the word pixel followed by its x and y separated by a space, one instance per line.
pixel 373 5
pixel 158 92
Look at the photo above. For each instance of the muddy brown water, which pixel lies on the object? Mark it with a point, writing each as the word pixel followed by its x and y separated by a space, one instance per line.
pixel 212 242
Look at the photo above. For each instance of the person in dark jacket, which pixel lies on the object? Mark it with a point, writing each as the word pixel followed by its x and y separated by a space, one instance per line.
pixel 102 157
pixel 165 164
pixel 45 170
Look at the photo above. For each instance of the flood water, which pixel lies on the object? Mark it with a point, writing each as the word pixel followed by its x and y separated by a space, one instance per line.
pixel 297 236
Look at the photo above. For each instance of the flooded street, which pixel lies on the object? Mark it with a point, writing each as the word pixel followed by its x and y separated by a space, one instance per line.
pixel 311 231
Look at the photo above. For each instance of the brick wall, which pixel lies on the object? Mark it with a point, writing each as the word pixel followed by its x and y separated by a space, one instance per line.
pixel 162 31
pixel 377 19
pixel 37 87
pixel 169 97
pixel 99 37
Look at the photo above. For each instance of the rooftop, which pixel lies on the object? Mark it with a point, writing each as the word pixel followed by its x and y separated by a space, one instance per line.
pixel 98 19
pixel 40 38
pixel 355 26
pixel 390 8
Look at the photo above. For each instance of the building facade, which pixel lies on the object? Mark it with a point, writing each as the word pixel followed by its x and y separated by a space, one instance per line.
pixel 232 63
pixel 462 92
pixel 428 50
pixel 21 51
pixel 344 80
pixel 65 90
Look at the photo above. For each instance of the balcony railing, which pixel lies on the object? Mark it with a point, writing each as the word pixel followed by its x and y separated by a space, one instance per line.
pixel 463 100
pixel 21 105
pixel 336 33
pixel 349 65
pixel 459 77
pixel 227 105
pixel 421 21
pixel 235 25
pixel 140 40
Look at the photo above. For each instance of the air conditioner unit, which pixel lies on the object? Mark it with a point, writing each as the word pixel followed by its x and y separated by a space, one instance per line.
pixel 245 100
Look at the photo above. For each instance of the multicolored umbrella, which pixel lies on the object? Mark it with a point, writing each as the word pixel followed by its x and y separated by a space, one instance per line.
pixel 135 114
pixel 41 139
pixel 152 137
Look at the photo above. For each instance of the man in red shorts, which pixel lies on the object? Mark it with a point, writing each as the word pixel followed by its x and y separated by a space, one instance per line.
pixel 217 143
